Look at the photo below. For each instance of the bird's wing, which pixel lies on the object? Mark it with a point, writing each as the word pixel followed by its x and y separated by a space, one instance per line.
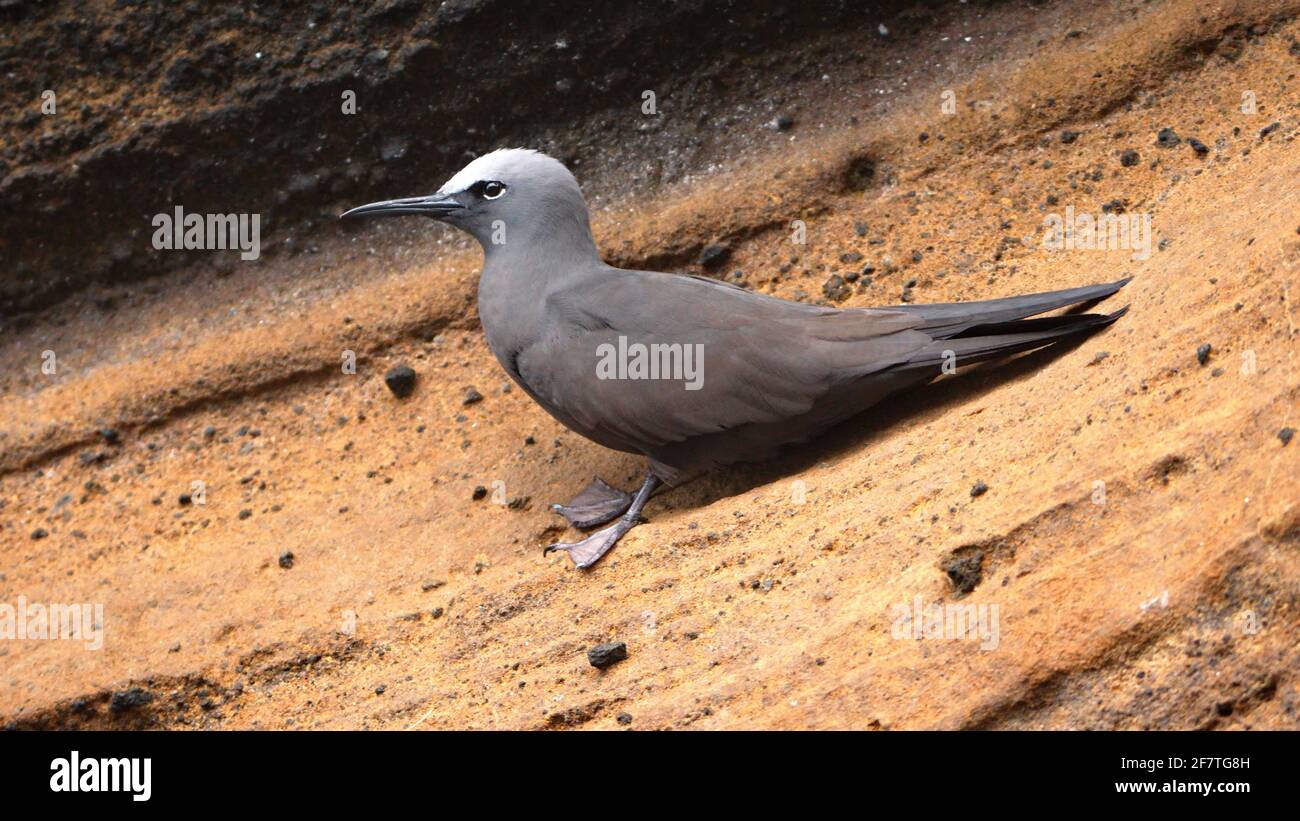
pixel 753 358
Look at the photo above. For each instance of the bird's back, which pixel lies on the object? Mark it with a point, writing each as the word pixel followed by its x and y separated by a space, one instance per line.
pixel 759 372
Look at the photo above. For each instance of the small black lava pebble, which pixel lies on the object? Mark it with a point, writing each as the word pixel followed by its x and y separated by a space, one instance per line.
pixel 400 380
pixel 603 655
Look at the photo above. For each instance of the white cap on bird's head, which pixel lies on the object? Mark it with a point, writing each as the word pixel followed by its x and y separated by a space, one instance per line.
pixel 514 196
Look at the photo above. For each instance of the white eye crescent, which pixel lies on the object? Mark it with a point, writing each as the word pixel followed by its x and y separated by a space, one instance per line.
pixel 493 189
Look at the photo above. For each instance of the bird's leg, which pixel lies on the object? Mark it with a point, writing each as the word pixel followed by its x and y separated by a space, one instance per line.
pixel 596 504
pixel 588 551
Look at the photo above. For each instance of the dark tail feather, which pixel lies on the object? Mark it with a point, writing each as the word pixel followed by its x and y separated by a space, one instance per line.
pixel 952 319
pixel 996 340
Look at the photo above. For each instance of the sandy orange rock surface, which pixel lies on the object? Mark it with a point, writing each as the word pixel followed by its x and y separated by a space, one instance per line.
pixel 1139 535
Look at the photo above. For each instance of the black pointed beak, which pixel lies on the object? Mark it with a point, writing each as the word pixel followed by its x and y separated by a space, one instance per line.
pixel 434 205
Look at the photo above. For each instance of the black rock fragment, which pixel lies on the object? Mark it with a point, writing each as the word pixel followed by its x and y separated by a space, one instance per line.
pixel 400 380
pixel 603 655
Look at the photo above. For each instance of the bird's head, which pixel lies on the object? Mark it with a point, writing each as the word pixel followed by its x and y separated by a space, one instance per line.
pixel 512 197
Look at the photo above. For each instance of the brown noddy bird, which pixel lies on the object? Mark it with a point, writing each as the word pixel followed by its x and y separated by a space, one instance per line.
pixel 691 372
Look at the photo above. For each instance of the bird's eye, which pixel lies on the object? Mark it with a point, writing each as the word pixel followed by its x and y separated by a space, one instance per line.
pixel 493 189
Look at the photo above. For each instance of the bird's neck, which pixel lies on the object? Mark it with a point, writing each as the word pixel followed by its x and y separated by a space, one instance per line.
pixel 520 274
pixel 562 238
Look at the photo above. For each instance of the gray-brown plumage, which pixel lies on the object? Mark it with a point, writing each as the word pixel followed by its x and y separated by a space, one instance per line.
pixel 771 372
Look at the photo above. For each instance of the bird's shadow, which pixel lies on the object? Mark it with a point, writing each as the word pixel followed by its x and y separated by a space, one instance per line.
pixel 916 405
